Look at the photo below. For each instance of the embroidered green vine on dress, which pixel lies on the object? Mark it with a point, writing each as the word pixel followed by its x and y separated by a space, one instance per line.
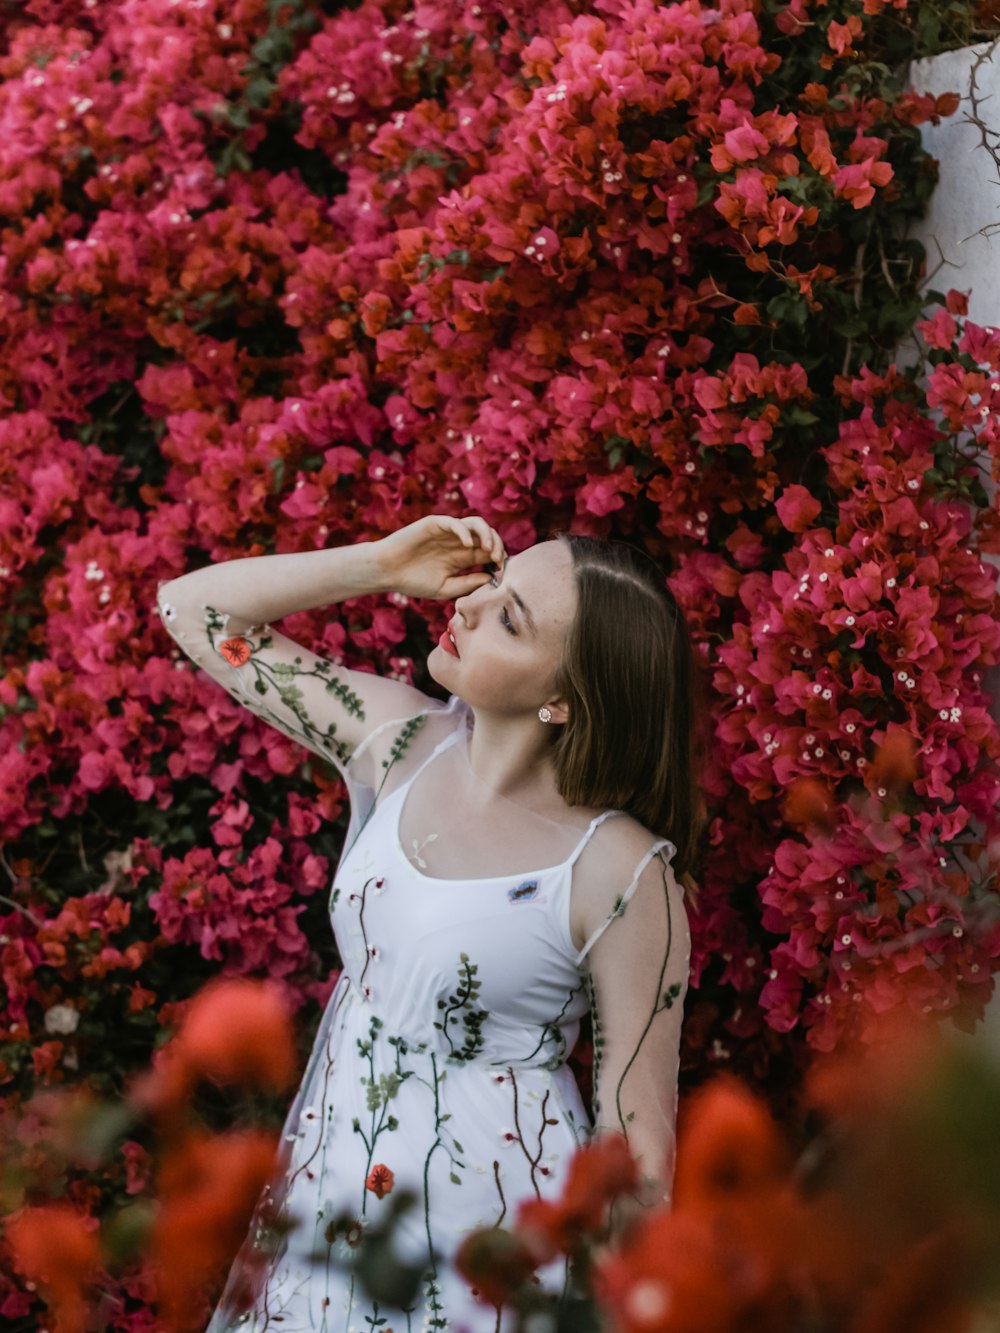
pixel 243 650
pixel 463 1001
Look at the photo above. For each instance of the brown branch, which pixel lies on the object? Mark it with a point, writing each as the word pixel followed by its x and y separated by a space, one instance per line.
pixel 986 134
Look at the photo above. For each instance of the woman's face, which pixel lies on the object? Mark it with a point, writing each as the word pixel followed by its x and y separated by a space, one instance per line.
pixel 510 632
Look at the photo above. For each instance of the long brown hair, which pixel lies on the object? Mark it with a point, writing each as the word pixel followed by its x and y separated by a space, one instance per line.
pixel 633 684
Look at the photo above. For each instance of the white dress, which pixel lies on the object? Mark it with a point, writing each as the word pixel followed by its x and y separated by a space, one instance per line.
pixel 439 1062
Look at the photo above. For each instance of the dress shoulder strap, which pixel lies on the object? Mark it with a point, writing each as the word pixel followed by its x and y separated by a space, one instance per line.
pixel 594 823
pixel 623 901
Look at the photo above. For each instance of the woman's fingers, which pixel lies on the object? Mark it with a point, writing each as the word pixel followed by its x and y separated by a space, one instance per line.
pixel 480 527
pixel 464 586
pixel 473 531
pixel 490 539
pixel 459 525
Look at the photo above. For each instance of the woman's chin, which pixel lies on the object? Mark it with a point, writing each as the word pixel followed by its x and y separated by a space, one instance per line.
pixel 434 664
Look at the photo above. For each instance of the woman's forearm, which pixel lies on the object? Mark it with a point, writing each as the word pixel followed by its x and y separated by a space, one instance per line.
pixel 264 588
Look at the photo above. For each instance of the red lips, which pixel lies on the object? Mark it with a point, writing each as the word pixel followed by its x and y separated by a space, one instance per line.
pixel 445 643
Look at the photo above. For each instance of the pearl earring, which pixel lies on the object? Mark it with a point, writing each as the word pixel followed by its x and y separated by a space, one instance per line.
pixel 545 715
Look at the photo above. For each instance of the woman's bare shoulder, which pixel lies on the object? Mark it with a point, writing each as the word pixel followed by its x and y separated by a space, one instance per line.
pixel 606 867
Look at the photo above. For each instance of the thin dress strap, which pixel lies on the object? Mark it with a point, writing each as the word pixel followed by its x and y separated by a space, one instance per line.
pixel 622 903
pixel 597 820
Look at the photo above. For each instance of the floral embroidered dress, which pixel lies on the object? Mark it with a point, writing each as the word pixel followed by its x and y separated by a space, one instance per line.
pixel 439 1062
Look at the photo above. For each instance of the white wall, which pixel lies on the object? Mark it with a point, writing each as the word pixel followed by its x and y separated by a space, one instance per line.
pixel 967 197
pixel 966 203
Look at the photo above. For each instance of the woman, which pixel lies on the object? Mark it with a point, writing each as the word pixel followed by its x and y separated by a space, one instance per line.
pixel 479 907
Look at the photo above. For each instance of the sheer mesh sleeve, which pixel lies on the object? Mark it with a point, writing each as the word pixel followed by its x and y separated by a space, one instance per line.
pixel 362 723
pixel 639 963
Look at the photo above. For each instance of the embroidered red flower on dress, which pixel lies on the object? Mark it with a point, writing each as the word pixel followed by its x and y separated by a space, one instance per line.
pixel 380 1180
pixel 235 651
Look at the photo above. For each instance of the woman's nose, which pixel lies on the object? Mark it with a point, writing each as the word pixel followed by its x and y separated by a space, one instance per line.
pixel 465 606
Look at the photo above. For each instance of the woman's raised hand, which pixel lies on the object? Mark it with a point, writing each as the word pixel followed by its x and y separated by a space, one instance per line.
pixel 426 558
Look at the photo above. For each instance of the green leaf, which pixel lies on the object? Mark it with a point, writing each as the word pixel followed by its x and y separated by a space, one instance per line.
pixel 275 47
pixel 101 1127
pixel 798 416
pixel 260 91
pixel 126 1234
pixel 238 115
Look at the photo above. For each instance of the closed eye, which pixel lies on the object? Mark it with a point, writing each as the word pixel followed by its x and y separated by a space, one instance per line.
pixel 504 617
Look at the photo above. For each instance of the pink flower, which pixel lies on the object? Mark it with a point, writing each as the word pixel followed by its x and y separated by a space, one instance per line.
pixel 857 180
pixel 938 331
pixel 739 145
pixel 797 508
pixel 840 36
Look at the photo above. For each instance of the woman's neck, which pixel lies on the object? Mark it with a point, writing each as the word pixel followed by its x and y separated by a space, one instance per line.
pixel 510 762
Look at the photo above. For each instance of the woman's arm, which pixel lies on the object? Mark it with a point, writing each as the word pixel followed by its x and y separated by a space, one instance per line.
pixel 220 617
pixel 260 588
pixel 639 969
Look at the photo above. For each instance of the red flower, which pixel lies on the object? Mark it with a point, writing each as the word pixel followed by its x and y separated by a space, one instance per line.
pixel 797 508
pixel 939 331
pixel 674 1274
pixel 56 1246
pixel 599 1171
pixel 840 36
pixel 729 1145
pixel 745 313
pixel 240 1031
pixel 495 1263
pixel 894 765
pixel 380 1180
pixel 857 180
pixel 235 1031
pixel 235 651
pixel 811 803
pixel 721 1258
pixel 207 1186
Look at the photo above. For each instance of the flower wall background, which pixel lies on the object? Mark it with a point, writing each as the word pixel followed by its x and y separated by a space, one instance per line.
pixel 284 275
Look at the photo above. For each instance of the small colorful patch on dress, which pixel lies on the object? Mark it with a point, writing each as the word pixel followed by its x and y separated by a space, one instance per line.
pixel 523 891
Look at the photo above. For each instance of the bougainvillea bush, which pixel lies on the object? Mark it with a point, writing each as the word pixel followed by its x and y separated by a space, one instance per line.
pixel 284 275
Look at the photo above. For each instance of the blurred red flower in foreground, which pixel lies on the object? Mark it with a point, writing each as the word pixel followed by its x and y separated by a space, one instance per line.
pixel 913 1220
pixel 810 802
pixel 895 763
pixel 240 1032
pixel 876 1228
pixel 732 1146
pixel 207 1186
pixel 716 1262
pixel 496 1262
pixel 55 1246
pixel 599 1171
pixel 235 1031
